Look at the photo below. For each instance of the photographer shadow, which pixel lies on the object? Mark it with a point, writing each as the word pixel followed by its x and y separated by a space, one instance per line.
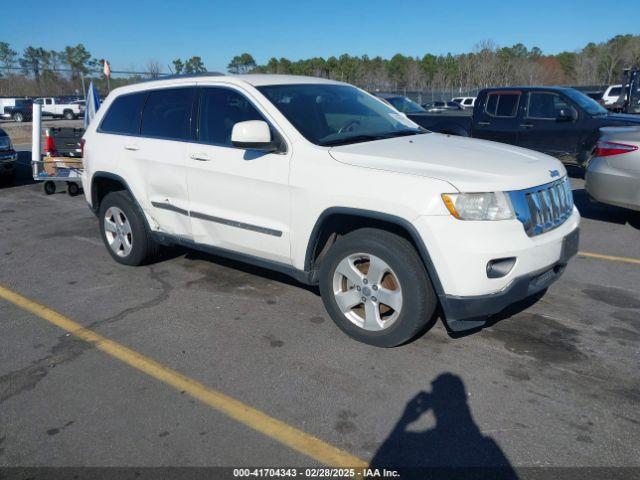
pixel 454 448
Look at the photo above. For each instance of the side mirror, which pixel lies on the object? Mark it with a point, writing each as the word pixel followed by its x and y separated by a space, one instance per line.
pixel 253 135
pixel 568 114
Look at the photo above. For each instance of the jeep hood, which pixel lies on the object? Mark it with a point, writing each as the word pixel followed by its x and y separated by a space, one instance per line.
pixel 468 164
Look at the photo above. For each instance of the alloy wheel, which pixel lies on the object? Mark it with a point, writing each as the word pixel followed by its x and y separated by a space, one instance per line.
pixel 367 291
pixel 117 230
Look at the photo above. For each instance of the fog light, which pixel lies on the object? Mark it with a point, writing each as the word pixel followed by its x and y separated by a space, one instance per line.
pixel 499 267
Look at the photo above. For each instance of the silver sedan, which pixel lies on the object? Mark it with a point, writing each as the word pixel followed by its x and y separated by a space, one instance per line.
pixel 613 174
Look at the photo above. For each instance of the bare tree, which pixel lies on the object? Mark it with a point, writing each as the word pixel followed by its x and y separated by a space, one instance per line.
pixel 154 69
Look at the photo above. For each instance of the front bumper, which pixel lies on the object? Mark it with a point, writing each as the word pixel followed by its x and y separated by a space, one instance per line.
pixel 463 313
pixel 460 252
pixel 8 162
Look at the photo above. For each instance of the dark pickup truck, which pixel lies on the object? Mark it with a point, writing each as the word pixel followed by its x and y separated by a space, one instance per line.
pixel 559 121
pixel 8 155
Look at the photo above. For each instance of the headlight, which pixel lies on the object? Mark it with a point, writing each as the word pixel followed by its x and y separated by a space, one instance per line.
pixel 479 206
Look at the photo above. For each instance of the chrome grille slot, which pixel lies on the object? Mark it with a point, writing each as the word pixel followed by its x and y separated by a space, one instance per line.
pixel 543 208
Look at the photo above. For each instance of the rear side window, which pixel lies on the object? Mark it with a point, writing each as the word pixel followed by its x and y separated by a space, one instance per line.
pixel 615 92
pixel 124 114
pixel 503 104
pixel 167 114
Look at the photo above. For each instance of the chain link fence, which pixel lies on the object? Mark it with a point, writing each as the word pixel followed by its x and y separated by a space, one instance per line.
pixel 57 82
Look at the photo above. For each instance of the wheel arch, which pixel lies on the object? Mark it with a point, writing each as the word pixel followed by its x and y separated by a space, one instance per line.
pixel 340 220
pixel 103 183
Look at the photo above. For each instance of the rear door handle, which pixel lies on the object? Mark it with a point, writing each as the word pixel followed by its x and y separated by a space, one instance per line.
pixel 526 125
pixel 484 124
pixel 201 157
pixel 133 148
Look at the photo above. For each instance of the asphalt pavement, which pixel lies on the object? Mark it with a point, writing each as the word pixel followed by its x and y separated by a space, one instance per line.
pixel 551 383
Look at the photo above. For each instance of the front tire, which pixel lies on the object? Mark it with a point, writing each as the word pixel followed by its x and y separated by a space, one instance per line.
pixel 376 289
pixel 124 231
pixel 18 117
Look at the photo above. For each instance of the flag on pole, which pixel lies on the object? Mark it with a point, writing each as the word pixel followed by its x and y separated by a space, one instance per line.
pixel 91 105
pixel 106 69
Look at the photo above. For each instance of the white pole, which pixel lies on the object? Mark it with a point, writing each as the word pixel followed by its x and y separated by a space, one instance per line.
pixel 36 145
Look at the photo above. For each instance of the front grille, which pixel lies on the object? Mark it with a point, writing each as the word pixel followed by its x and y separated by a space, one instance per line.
pixel 543 208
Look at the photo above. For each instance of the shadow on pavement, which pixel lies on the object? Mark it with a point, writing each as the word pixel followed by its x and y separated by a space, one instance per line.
pixel 510 311
pixel 605 213
pixel 195 255
pixel 454 448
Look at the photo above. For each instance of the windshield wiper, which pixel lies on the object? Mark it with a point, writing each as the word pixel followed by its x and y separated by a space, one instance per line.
pixel 370 137
pixel 353 139
pixel 405 133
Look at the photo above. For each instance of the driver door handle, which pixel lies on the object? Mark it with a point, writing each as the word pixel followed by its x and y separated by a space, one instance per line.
pixel 484 124
pixel 526 125
pixel 201 157
pixel 133 148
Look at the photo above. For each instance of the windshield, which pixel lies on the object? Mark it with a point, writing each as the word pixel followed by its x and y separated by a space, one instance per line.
pixel 588 104
pixel 405 105
pixel 338 114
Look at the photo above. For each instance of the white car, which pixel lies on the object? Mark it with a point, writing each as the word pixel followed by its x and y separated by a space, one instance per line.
pixel 465 102
pixel 59 108
pixel 611 95
pixel 332 186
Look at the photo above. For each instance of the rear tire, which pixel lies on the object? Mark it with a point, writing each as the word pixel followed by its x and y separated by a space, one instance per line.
pixel 69 115
pixel 124 231
pixel 18 117
pixel 380 267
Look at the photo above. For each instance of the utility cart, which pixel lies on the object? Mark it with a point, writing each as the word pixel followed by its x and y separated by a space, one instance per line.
pixel 62 161
pixel 56 170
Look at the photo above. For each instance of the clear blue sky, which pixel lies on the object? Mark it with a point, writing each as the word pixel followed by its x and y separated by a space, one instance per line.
pixel 129 33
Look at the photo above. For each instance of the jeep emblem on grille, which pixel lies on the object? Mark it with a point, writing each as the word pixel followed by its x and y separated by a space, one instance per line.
pixel 554 173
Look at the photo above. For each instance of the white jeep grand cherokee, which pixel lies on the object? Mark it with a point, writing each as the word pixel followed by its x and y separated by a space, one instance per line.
pixel 326 183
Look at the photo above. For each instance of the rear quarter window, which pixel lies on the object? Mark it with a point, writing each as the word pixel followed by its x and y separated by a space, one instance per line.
pixel 123 116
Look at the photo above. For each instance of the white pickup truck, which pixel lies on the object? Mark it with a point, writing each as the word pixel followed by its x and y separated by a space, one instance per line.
pixel 59 108
pixel 328 184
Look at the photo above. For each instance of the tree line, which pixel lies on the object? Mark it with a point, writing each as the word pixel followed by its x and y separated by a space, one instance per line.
pixel 39 71
pixel 487 65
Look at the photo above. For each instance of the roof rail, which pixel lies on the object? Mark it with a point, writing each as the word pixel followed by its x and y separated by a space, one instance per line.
pixel 187 75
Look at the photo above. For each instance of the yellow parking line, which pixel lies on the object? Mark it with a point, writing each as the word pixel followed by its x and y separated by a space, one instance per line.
pixel 259 421
pixel 611 258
